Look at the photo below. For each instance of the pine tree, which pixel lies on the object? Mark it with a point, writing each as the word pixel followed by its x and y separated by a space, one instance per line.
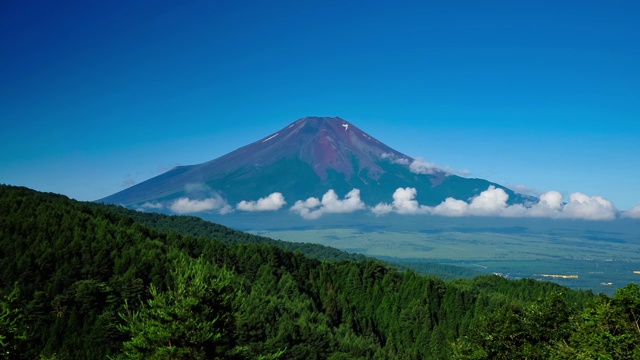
pixel 13 332
pixel 191 320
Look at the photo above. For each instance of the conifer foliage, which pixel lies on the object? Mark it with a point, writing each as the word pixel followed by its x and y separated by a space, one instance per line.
pixel 88 281
pixel 190 320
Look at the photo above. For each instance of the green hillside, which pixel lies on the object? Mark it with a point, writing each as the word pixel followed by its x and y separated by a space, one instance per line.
pixel 197 227
pixel 87 281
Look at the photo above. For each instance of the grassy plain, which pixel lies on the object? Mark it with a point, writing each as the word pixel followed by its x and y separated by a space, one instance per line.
pixel 602 254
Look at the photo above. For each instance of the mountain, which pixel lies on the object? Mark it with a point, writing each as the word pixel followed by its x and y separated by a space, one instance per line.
pixel 306 159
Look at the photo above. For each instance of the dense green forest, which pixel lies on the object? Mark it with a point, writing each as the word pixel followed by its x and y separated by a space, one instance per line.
pixel 195 226
pixel 88 281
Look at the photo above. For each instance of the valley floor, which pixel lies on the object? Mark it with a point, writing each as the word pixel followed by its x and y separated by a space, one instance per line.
pixel 599 256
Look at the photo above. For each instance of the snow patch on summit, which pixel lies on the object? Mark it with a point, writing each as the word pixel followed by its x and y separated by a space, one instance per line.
pixel 345 126
pixel 270 137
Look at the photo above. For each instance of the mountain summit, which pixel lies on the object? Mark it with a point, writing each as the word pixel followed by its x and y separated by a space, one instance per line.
pixel 306 159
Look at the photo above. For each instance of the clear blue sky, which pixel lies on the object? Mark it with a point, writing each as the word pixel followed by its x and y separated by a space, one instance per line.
pixel 95 96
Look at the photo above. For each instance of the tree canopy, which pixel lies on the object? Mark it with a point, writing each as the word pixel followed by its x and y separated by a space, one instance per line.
pixel 88 281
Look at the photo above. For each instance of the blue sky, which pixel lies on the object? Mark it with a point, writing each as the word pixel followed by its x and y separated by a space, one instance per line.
pixel 97 96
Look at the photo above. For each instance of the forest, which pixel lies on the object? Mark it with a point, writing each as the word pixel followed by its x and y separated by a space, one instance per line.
pixel 90 281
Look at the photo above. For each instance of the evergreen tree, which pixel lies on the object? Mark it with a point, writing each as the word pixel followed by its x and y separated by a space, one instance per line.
pixel 13 332
pixel 192 319
pixel 607 329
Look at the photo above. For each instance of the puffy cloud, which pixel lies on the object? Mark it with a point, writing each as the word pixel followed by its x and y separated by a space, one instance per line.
pixel 551 200
pixel 185 205
pixel 272 202
pixel 351 202
pixel 225 209
pixel 633 213
pixel 451 207
pixel 150 205
pixel 200 198
pixel 581 206
pixel 490 202
pixel 313 208
pixel 550 205
pixel 382 209
pixel 404 202
pixel 494 202
pixel 306 208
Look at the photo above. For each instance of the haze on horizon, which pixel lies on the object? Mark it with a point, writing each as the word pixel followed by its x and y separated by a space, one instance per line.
pixel 537 97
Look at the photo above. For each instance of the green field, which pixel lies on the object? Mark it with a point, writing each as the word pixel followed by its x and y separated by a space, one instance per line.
pixel 599 253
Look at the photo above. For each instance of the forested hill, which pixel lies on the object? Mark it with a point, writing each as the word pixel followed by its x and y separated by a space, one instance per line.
pixel 86 281
pixel 197 227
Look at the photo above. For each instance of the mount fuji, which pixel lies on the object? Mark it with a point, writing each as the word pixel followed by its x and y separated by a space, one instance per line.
pixel 306 159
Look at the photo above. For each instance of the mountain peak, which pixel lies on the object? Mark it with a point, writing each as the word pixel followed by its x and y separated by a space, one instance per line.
pixel 321 119
pixel 332 143
pixel 319 123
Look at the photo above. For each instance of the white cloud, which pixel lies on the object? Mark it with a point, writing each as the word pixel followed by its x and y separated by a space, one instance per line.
pixel 633 213
pixel 151 205
pixel 494 202
pixel 550 205
pixel 200 198
pixel 451 207
pixel 420 166
pixel 225 209
pixel 395 159
pixel 382 209
pixel 351 202
pixel 312 208
pixel 581 206
pixel 185 205
pixel 308 209
pixel 551 200
pixel 404 202
pixel 303 208
pixel 272 202
pixel 490 202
